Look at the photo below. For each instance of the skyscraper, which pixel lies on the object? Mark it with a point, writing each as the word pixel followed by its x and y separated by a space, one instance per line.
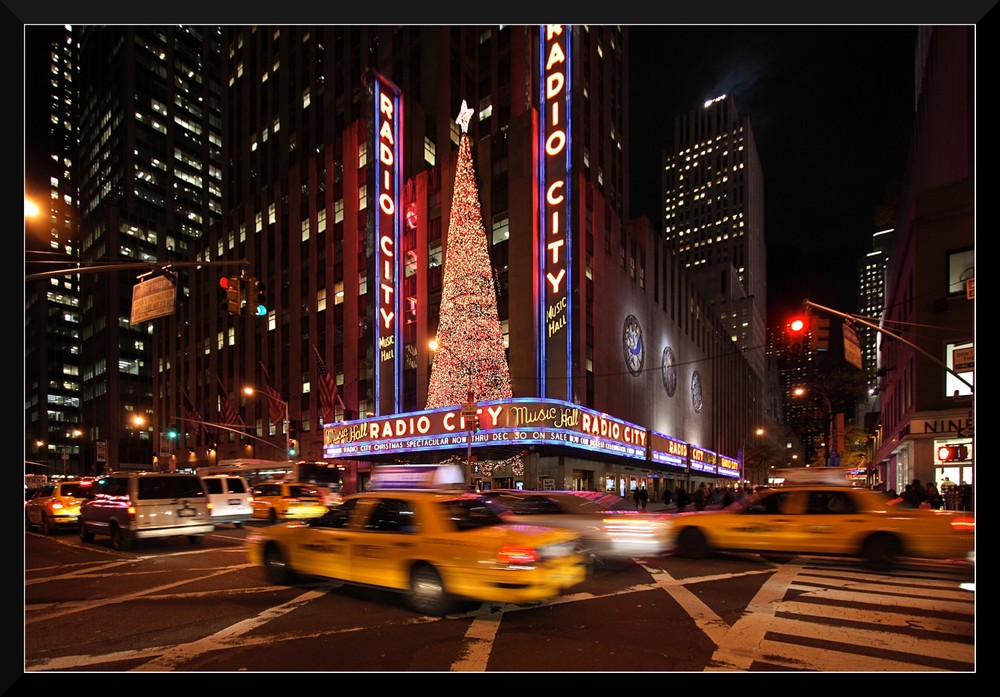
pixel 149 186
pixel 713 219
pixel 52 327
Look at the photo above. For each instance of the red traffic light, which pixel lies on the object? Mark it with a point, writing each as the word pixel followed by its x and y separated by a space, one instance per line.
pixel 224 282
pixel 947 453
pixel 797 325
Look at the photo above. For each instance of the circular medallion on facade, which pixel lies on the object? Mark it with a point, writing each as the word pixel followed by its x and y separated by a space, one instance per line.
pixel 668 370
pixel 633 346
pixel 696 397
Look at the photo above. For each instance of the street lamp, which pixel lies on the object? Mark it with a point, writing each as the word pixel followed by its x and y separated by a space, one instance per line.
pixel 469 409
pixel 250 391
pixel 832 457
pixel 759 431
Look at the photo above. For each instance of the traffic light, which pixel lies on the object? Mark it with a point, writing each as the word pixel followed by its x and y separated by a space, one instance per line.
pixel 293 447
pixel 819 333
pixel 949 453
pixel 795 331
pixel 172 433
pixel 231 284
pixel 256 298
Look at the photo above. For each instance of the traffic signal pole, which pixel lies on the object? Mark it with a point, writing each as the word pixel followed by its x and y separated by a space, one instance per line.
pixel 861 320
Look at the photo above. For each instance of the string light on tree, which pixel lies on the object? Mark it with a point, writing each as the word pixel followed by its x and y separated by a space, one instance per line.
pixel 471 355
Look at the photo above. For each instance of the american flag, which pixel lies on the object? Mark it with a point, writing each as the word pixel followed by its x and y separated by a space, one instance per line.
pixel 227 413
pixel 328 395
pixel 191 414
pixel 276 405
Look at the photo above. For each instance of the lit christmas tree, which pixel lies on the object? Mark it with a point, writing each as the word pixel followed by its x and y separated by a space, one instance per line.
pixel 470 355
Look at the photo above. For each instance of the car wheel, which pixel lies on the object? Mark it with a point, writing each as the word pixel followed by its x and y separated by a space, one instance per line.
pixel 881 551
pixel 692 543
pixel 196 539
pixel 85 535
pixel 46 526
pixel 273 516
pixel 276 567
pixel 118 539
pixel 428 595
pixel 238 524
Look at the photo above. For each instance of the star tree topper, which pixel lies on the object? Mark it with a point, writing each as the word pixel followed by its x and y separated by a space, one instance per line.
pixel 464 116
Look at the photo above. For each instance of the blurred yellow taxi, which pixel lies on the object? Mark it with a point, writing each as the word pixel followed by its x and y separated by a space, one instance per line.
pixel 276 501
pixel 817 512
pixel 438 548
pixel 56 505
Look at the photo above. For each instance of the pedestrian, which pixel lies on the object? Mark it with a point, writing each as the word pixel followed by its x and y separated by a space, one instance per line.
pixel 643 498
pixel 910 496
pixel 682 499
pixel 920 490
pixel 666 496
pixel 933 496
pixel 635 497
pixel 701 497
pixel 728 497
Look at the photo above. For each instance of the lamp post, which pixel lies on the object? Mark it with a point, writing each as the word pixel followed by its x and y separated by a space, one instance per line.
pixel 469 409
pixel 759 431
pixel 831 456
pixel 288 440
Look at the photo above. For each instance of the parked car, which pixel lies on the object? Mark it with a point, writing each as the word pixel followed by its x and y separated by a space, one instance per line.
pixel 609 525
pixel 56 505
pixel 276 501
pixel 436 548
pixel 230 497
pixel 131 506
pixel 821 514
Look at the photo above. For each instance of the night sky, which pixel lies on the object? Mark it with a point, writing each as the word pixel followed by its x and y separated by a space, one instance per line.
pixel 831 109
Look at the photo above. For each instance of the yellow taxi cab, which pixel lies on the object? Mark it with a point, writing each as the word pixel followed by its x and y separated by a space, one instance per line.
pixel 276 501
pixel 56 505
pixel 817 512
pixel 437 547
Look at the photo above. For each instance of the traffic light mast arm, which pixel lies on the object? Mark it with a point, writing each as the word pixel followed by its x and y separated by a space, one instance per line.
pixel 131 266
pixel 859 320
pixel 228 428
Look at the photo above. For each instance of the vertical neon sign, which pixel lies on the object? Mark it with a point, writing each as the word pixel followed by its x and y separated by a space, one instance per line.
pixel 388 170
pixel 554 301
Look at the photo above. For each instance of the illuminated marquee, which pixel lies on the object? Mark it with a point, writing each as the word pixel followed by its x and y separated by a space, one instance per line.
pixel 387 120
pixel 667 450
pixel 555 239
pixel 509 421
pixel 703 460
pixel 728 466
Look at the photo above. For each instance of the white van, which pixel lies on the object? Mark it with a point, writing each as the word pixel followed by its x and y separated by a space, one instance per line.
pixel 230 498
pixel 129 506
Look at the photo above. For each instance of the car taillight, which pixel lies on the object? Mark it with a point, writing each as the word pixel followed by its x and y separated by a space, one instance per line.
pixel 964 524
pixel 56 505
pixel 514 554
pixel 131 512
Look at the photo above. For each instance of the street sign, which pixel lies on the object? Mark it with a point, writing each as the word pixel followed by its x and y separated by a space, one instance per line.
pixel 154 298
pixel 469 410
pixel 852 347
pixel 102 450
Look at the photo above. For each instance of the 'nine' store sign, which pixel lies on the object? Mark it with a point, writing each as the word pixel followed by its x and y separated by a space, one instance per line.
pixel 554 304
pixel 387 120
pixel 519 422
